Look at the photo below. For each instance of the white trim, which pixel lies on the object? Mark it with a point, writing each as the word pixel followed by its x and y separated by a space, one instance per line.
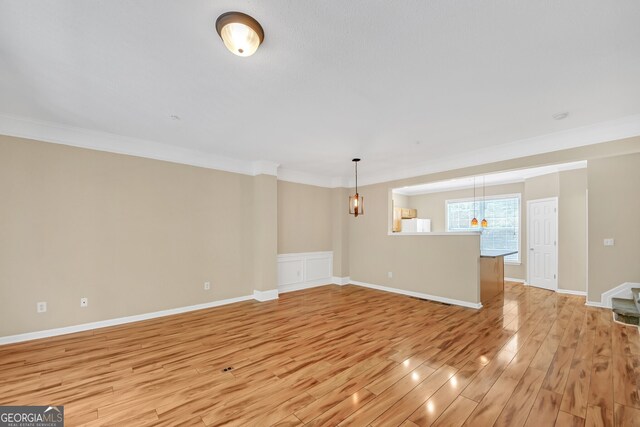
pixel 557 212
pixel 512 176
pixel 118 321
pixel 620 291
pixel 308 178
pixel 306 285
pixel 406 190
pixel 623 127
pixel 461 303
pixel 570 292
pixel 611 130
pixel 595 304
pixel 304 270
pixel 341 280
pixel 113 143
pixel 513 279
pixel 320 254
pixel 492 197
pixel 263 296
pixel 434 233
pixel 264 167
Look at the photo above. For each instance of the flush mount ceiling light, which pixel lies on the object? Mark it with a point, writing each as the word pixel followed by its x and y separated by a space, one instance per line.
pixel 240 33
pixel 356 202
pixel 561 116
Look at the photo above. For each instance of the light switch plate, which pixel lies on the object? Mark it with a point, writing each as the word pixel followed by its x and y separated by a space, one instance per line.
pixel 609 242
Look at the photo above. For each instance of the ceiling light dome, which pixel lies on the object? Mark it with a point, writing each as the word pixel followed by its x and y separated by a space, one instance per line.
pixel 240 33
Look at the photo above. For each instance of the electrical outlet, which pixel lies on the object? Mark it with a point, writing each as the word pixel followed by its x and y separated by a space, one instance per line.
pixel 390 274
pixel 609 242
pixel 207 286
pixel 41 307
pixel 84 302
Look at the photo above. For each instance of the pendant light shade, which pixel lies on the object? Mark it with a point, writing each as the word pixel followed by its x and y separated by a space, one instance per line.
pixel 474 221
pixel 356 202
pixel 241 34
pixel 484 222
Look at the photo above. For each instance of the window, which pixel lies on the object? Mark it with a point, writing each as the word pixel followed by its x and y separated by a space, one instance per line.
pixel 503 215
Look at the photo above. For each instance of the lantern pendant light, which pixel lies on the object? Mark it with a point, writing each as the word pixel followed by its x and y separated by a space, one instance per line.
pixel 356 202
pixel 484 205
pixel 474 221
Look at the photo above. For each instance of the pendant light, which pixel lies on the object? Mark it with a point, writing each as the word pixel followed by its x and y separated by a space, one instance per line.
pixel 484 205
pixel 474 221
pixel 241 34
pixel 356 203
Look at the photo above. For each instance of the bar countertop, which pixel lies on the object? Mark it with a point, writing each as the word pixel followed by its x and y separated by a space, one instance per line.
pixel 489 253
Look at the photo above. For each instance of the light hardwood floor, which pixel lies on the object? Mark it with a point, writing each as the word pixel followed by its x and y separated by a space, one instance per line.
pixel 345 356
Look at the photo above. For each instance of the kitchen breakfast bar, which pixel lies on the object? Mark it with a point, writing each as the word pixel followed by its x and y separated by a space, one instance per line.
pixel 492 273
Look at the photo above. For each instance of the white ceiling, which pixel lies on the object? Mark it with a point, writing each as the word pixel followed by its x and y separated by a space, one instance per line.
pixel 506 177
pixel 470 81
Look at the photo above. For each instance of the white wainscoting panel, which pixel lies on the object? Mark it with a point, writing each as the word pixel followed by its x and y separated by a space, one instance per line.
pixel 304 270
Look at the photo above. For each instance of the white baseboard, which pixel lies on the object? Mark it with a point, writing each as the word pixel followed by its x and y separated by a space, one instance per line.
pixel 340 280
pixel 570 292
pixel 595 304
pixel 263 296
pixel 512 279
pixel 119 321
pixel 621 291
pixel 306 285
pixel 461 303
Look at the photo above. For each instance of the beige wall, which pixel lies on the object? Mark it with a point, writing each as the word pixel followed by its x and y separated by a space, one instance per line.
pixel 370 248
pixel 418 263
pixel 433 206
pixel 133 235
pixel 340 231
pixel 572 230
pixel 614 212
pixel 304 218
pixel 137 235
pixel 400 200
pixel 542 187
pixel 264 206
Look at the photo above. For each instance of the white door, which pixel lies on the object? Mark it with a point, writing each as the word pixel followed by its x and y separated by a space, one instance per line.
pixel 542 238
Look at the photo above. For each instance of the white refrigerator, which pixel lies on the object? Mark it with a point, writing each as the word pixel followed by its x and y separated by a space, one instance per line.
pixel 416 225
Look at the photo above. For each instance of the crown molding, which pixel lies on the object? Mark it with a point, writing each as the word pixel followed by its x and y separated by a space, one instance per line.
pixel 264 167
pixel 109 142
pixel 624 127
pixel 298 177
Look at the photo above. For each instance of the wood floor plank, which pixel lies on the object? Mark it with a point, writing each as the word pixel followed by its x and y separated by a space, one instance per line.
pixel 427 413
pixel 626 416
pixel 389 397
pixel 574 400
pixel 566 419
pixel 598 417
pixel 545 409
pixel 517 409
pixel 456 414
pixel 404 407
pixel 342 355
